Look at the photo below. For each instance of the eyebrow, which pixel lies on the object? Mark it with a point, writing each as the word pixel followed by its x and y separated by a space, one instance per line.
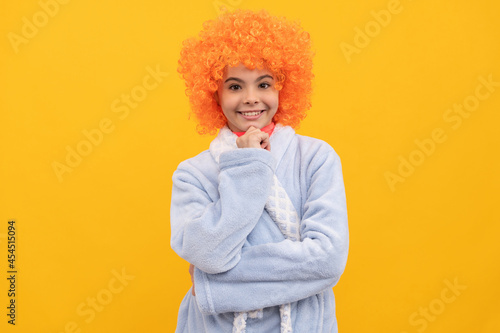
pixel 240 80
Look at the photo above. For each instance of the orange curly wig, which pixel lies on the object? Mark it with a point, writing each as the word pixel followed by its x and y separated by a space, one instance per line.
pixel 258 40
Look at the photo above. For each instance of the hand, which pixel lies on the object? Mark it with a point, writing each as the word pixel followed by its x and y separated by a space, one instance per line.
pixel 191 272
pixel 254 138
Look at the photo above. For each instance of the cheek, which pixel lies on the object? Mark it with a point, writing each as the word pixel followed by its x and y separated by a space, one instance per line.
pixel 229 106
pixel 229 102
pixel 273 101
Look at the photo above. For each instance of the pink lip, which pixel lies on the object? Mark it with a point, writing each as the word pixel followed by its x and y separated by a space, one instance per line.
pixel 251 117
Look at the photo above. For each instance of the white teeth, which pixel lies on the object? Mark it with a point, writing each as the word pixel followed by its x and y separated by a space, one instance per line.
pixel 249 114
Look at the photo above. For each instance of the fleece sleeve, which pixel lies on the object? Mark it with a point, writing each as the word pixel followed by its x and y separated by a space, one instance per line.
pixel 278 273
pixel 210 233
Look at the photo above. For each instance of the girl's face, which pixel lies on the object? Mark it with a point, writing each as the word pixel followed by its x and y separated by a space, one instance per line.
pixel 247 97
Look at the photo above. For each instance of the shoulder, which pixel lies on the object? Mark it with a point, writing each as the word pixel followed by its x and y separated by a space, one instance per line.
pixel 201 167
pixel 319 160
pixel 313 148
pixel 197 161
pixel 305 146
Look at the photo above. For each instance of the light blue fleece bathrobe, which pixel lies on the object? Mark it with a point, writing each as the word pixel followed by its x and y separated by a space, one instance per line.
pixel 242 259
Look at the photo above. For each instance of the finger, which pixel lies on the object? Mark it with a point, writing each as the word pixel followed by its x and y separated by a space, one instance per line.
pixel 252 129
pixel 264 137
pixel 266 144
pixel 255 138
pixel 191 272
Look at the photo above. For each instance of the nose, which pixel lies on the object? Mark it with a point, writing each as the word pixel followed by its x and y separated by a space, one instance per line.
pixel 251 97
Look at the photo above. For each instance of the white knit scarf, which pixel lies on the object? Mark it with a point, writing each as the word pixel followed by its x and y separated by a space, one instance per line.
pixel 280 208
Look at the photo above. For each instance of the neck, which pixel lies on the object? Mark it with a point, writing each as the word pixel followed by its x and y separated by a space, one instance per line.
pixel 267 129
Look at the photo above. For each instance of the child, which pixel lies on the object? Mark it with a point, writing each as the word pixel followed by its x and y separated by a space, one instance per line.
pixel 261 216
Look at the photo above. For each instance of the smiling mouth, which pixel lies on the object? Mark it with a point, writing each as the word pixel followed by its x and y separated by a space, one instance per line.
pixel 250 113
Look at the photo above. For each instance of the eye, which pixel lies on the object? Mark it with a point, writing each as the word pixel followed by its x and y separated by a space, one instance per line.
pixel 234 87
pixel 264 85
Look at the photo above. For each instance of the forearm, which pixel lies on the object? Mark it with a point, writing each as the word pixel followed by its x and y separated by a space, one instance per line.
pixel 296 269
pixel 258 281
pixel 210 232
pixel 278 273
pixel 250 296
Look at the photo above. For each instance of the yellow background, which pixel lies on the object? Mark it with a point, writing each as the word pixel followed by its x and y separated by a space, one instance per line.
pixel 409 241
